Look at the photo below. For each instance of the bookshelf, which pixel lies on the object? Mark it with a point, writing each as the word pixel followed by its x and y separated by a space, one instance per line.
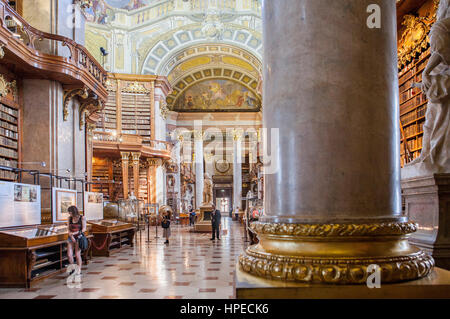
pixel 108 122
pixel 136 114
pixel 413 103
pixel 9 136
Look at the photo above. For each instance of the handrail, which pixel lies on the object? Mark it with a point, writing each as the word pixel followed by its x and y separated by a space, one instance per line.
pixel 109 137
pixel 78 53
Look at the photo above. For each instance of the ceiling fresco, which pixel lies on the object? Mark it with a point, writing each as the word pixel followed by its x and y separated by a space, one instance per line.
pixel 217 95
pixel 103 11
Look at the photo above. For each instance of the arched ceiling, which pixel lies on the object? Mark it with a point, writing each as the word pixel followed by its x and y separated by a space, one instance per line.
pixel 197 44
pixel 142 40
pixel 201 63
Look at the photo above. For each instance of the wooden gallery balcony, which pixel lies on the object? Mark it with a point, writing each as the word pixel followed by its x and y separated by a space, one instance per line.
pixel 41 55
pixel 105 143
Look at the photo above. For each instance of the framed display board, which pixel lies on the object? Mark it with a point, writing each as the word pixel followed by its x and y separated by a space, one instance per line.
pixel 20 204
pixel 62 200
pixel 93 206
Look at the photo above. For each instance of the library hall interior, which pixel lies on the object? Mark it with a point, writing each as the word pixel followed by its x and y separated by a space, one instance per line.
pixel 224 149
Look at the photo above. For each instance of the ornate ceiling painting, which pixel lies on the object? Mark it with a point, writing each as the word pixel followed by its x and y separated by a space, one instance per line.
pixel 193 42
pixel 217 95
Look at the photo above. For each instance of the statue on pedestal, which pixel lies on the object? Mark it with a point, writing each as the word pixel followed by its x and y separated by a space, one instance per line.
pixel 435 155
pixel 207 191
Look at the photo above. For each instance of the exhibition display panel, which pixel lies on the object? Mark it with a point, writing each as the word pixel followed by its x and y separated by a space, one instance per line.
pixel 110 235
pixel 33 253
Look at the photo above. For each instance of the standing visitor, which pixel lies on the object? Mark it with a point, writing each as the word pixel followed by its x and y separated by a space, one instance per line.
pixel 191 216
pixel 165 224
pixel 76 226
pixel 215 222
pixel 236 213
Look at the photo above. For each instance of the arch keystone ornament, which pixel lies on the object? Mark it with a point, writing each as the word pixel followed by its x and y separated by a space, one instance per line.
pixel 333 207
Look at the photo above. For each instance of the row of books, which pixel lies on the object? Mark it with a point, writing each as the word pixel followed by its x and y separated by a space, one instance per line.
pixel 421 110
pixel 8 118
pixel 413 144
pixel 412 103
pixel 4 141
pixel 406 75
pixel 408 118
pixel 407 85
pixel 406 95
pixel 7 175
pixel 9 110
pixel 136 121
pixel 8 133
pixel 8 126
pixel 6 162
pixel 7 152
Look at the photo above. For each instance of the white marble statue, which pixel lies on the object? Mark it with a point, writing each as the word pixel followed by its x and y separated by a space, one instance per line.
pixel 207 190
pixel 435 155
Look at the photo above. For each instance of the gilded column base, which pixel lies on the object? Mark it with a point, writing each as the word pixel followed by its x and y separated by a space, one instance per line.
pixel 335 253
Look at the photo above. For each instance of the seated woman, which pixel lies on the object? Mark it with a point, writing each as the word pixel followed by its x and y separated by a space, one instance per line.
pixel 77 224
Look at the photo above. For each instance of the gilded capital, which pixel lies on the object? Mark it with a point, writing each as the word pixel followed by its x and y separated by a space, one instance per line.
pixel 135 156
pixel 125 156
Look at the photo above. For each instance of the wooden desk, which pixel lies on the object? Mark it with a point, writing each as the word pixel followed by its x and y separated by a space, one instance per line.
pixel 110 235
pixel 31 254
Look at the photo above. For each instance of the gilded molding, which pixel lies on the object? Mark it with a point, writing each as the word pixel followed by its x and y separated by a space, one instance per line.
pixel 2 52
pixel 335 230
pixel 164 110
pixel 414 38
pixel 83 93
pixel 334 270
pixel 7 87
pixel 89 106
pixel 136 87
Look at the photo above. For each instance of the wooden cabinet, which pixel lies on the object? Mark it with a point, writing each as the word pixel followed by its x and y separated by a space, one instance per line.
pixel 110 235
pixel 30 254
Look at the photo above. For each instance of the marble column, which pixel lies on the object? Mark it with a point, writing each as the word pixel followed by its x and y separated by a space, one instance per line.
pixel 177 160
pixel 198 161
pixel 333 205
pixel 125 159
pixel 136 157
pixel 237 170
pixel 151 178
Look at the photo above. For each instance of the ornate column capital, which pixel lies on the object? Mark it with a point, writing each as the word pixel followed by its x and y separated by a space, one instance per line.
pixel 153 161
pixel 125 156
pixel 135 156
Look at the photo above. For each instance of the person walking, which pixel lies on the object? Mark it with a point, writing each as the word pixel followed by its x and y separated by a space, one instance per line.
pixel 165 224
pixel 215 223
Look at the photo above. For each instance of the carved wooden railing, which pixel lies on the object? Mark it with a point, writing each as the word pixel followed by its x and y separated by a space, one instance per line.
pixel 48 43
pixel 153 145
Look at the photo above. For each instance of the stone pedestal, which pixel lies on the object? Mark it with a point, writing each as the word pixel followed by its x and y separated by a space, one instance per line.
pixel 203 224
pixel 427 202
pixel 435 286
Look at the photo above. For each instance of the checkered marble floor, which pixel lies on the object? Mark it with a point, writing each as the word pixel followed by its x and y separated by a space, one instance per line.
pixel 190 267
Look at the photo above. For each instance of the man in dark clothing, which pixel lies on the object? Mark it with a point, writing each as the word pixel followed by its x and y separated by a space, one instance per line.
pixel 191 216
pixel 215 222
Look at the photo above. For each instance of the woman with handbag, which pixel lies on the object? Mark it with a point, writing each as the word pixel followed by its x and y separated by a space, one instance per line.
pixel 77 239
pixel 165 224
